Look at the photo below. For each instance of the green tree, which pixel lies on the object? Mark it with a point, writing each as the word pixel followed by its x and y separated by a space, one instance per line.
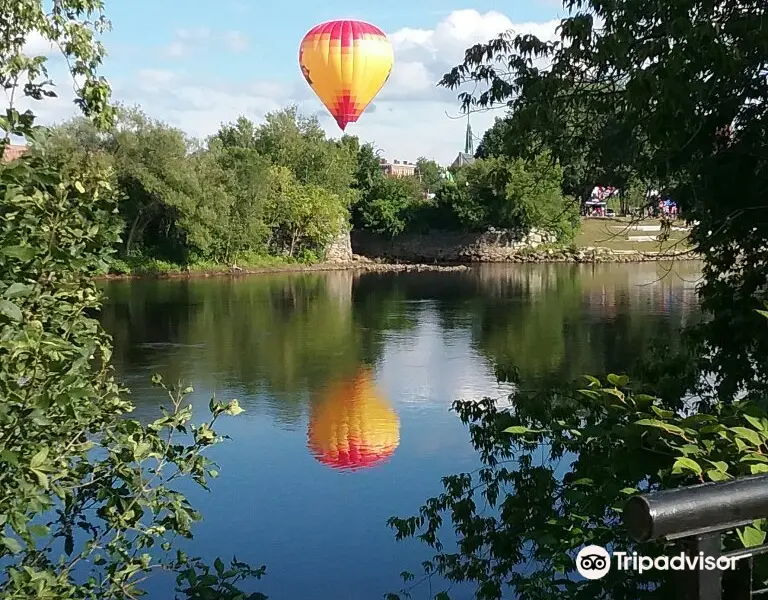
pixel 693 104
pixel 368 177
pixel 301 217
pixel 428 172
pixel 683 82
pixel 389 205
pixel 510 193
pixel 159 183
pixel 291 140
pixel 236 183
pixel 81 485
pixel 240 134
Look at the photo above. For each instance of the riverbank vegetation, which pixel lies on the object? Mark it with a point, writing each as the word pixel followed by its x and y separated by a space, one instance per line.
pixel 89 500
pixel 280 192
pixel 678 94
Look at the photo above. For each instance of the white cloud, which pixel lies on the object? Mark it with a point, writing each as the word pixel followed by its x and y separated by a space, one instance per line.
pixel 194 35
pixel 37 45
pixel 188 41
pixel 177 49
pixel 411 117
pixel 236 41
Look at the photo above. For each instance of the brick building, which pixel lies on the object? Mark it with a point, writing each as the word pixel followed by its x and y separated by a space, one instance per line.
pixel 397 168
pixel 12 152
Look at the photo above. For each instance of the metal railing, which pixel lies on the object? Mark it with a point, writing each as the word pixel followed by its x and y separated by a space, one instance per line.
pixel 697 516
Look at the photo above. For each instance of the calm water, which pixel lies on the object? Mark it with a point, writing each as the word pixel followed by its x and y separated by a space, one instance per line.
pixel 347 381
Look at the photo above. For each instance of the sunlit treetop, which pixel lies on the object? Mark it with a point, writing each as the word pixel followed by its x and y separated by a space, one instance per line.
pixel 70 27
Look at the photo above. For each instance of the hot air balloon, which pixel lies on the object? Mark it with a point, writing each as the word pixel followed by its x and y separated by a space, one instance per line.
pixel 352 426
pixel 346 63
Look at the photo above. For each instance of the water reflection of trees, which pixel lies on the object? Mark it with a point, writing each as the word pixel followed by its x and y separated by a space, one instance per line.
pixel 283 337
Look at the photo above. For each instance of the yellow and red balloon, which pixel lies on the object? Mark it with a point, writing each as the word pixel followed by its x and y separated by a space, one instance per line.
pixel 346 63
pixel 352 426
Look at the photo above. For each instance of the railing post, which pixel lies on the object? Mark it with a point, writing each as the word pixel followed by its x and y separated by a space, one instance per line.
pixel 697 516
pixel 702 584
pixel 737 583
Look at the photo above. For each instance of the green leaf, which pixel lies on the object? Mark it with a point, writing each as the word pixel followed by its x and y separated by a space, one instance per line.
pixel 685 463
pixel 12 544
pixel 756 468
pixel 10 310
pixel 593 381
pixel 17 290
pixel 79 187
pixel 628 490
pixel 582 481
pixel 754 456
pixel 39 530
pixel 9 457
pixel 720 465
pixel 751 536
pixel 615 393
pixel 234 408
pixel 674 429
pixel 218 565
pixel 662 413
pixel 19 252
pixel 39 458
pixel 643 400
pixel 697 419
pixel 758 424
pixel 42 479
pixel 521 430
pixel 618 380
pixel 747 434
pixel 715 475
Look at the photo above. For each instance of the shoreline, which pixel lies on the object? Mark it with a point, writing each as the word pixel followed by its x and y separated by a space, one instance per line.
pixel 367 265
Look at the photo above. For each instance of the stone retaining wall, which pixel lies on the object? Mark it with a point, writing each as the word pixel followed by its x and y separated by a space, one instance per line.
pixel 340 249
pixel 449 246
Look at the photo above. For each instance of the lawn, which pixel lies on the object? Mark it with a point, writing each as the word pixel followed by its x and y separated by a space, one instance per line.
pixel 614 233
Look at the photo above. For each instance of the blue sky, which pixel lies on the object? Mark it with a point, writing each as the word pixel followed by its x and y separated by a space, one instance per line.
pixel 195 64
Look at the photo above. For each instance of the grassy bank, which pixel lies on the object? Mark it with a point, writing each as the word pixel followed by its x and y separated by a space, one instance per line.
pixel 151 267
pixel 624 234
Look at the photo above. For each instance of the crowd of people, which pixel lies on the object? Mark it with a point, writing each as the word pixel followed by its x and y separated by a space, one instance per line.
pixel 658 205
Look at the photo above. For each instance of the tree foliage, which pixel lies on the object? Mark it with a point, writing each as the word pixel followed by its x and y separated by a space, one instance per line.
pixel 685 84
pixel 88 505
pixel 186 201
pixel 515 194
pixel 674 95
pixel 555 478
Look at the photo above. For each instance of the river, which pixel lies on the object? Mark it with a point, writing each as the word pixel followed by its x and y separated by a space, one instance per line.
pixel 347 381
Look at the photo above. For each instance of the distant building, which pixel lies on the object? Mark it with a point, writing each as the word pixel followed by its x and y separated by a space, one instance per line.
pixel 12 152
pixel 397 168
pixel 463 159
pixel 468 156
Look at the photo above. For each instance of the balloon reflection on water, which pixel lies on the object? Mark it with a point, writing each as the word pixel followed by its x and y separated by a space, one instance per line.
pixel 352 426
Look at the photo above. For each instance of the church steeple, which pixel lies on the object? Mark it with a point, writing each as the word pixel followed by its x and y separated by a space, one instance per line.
pixel 469 140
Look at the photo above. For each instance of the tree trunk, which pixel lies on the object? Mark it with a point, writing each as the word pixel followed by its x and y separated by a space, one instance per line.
pixel 132 233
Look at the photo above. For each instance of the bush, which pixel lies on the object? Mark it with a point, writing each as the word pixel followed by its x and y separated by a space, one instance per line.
pixel 508 194
pixel 81 484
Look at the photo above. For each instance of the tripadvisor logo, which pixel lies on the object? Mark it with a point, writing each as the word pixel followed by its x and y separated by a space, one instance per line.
pixel 594 562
